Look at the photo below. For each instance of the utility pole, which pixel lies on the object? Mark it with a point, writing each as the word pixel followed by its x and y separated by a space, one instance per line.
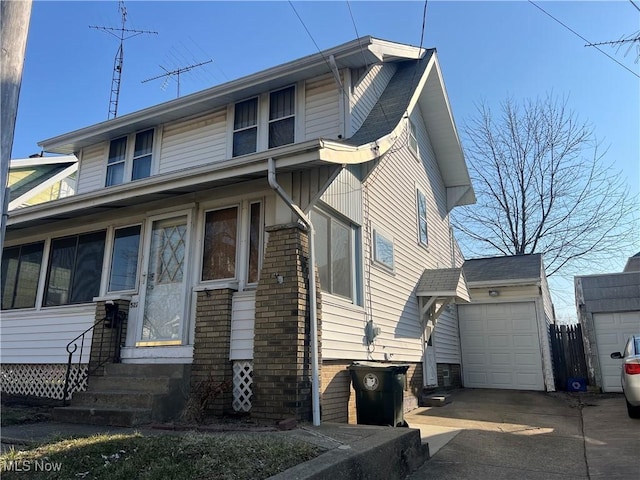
pixel 14 27
pixel 176 72
pixel 118 62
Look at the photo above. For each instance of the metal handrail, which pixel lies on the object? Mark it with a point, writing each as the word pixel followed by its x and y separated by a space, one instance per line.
pixel 113 320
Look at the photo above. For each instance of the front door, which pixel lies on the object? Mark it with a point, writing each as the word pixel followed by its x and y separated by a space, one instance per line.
pixel 162 306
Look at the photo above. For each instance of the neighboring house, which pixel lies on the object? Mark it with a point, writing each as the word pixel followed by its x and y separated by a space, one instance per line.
pixel 186 217
pixel 504 331
pixel 39 179
pixel 608 307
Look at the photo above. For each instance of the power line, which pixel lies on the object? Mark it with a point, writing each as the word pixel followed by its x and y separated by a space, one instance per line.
pixel 633 3
pixel 580 36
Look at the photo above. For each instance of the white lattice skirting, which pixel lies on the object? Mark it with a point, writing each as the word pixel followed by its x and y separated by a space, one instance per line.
pixel 40 380
pixel 242 383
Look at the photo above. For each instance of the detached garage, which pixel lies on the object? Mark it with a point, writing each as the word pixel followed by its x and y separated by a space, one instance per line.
pixel 504 330
pixel 609 312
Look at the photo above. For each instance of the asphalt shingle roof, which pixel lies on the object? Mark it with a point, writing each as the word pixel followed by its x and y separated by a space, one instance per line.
pixel 439 280
pixel 516 267
pixel 393 103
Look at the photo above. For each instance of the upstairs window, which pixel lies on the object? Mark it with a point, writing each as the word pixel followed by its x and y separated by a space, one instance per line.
pixel 282 107
pixel 20 273
pixel 130 158
pixel 245 127
pixel 413 139
pixel 421 201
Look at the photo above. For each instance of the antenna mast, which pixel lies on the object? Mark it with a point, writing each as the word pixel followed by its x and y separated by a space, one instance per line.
pixel 122 35
pixel 176 72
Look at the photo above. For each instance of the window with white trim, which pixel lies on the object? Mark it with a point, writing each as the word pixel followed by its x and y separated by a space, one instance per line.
pixel 130 158
pixel 245 127
pixel 336 255
pixel 421 210
pixel 413 138
pixel 20 274
pixel 75 269
pixel 124 259
pixel 382 249
pixel 282 108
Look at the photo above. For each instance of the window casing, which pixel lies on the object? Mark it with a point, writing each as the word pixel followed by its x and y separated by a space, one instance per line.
pixel 130 158
pixel 421 210
pixel 336 253
pixel 225 229
pixel 20 273
pixel 123 273
pixel 245 127
pixel 282 109
pixel 75 269
pixel 382 249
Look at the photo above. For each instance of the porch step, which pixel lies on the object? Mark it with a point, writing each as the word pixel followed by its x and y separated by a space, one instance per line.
pixel 117 417
pixel 110 383
pixel 435 400
pixel 129 394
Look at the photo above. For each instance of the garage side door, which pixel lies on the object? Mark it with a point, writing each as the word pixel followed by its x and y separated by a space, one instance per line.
pixel 612 331
pixel 500 346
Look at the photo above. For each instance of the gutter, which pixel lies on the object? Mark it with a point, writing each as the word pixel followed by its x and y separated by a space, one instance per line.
pixel 315 371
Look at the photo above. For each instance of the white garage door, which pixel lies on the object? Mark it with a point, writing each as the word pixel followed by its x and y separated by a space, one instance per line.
pixel 500 346
pixel 612 332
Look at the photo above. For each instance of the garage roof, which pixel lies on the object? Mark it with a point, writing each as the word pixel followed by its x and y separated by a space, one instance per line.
pixel 514 268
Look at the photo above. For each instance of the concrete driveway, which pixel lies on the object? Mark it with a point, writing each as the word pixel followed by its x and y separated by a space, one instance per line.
pixel 506 434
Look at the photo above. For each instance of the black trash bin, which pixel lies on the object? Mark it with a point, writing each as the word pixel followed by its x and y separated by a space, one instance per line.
pixel 379 390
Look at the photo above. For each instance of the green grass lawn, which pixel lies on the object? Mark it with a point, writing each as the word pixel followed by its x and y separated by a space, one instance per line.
pixel 162 457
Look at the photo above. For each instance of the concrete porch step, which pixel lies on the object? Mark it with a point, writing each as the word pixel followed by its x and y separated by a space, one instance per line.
pixel 119 417
pixel 128 383
pixel 116 398
pixel 435 399
pixel 172 370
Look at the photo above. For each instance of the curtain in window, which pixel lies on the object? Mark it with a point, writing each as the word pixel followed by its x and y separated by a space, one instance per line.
pixel 245 128
pixel 219 256
pixel 281 117
pixel 142 155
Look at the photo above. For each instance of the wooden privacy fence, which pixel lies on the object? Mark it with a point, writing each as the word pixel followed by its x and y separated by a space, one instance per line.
pixel 568 356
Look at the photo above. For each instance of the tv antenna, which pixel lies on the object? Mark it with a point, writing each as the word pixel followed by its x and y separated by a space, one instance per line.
pixel 122 35
pixel 175 72
pixel 631 39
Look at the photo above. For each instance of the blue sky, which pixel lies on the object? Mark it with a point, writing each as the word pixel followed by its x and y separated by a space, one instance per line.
pixel 487 50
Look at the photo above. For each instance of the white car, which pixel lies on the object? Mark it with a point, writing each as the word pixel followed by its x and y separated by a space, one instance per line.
pixel 630 375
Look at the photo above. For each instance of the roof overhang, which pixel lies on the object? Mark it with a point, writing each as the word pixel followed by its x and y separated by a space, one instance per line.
pixel 359 52
pixel 431 97
pixel 296 157
pixel 444 283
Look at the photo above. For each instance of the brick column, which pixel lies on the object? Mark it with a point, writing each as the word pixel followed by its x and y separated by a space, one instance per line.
pixel 211 369
pixel 105 348
pixel 282 354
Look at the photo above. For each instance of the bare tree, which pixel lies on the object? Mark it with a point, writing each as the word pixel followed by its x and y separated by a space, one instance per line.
pixel 543 187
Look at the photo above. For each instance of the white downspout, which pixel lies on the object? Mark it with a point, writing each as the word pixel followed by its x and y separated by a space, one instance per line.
pixel 315 371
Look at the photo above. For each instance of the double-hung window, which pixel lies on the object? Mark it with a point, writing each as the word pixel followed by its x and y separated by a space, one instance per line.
pixel 421 204
pixel 222 232
pixel 335 255
pixel 245 127
pixel 75 268
pixel 282 108
pixel 130 158
pixel 20 273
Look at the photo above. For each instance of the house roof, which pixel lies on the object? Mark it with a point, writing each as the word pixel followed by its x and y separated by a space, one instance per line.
pixel 511 269
pixel 633 264
pixel 372 140
pixel 443 283
pixel 37 175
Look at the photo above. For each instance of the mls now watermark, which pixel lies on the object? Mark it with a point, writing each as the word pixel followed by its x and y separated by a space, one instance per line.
pixel 30 466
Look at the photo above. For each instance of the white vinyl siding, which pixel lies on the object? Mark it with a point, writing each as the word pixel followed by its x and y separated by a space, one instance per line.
pixel 243 316
pixel 345 195
pixel 92 168
pixel 446 337
pixel 322 113
pixel 194 142
pixel 612 332
pixel 39 337
pixel 367 91
pixel 342 330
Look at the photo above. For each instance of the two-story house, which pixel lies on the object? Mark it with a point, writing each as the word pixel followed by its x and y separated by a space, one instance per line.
pixel 193 217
